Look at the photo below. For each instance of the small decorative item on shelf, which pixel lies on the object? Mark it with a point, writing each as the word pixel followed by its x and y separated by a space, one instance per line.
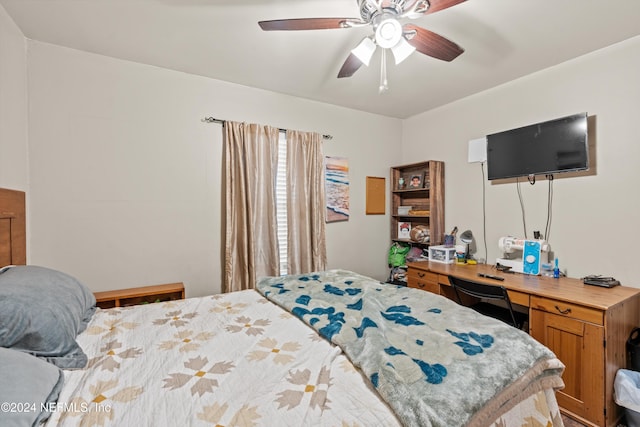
pixel 404 210
pixel 420 234
pixel 404 230
pixel 416 181
pixel 401 183
pixel 425 180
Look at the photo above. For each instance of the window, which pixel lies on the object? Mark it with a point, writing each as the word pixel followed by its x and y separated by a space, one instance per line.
pixel 281 201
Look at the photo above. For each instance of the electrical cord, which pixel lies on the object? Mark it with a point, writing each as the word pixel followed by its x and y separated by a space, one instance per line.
pixel 547 230
pixel 524 222
pixel 484 213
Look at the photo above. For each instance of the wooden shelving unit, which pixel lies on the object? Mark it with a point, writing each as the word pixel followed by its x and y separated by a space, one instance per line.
pixel 426 199
pixel 141 295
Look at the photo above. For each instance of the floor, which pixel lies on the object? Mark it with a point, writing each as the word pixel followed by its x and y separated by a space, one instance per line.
pixel 568 422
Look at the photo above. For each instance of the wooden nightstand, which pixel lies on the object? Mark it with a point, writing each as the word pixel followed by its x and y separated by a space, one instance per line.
pixel 141 295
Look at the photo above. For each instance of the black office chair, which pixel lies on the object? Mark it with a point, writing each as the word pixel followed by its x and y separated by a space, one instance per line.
pixel 489 292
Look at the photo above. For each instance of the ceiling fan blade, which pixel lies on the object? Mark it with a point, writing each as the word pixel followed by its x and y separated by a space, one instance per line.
pixel 350 66
pixel 309 24
pixel 438 5
pixel 432 44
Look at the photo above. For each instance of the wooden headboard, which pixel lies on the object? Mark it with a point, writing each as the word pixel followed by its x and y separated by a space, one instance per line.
pixel 13 227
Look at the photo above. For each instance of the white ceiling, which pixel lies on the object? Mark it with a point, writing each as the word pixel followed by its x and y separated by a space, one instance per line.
pixel 503 40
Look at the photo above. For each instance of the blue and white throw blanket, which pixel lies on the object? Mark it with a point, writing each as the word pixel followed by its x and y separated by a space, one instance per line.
pixel 434 362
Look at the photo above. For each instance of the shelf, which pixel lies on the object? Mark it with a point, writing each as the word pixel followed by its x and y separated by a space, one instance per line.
pixel 425 199
pixel 412 190
pixel 411 242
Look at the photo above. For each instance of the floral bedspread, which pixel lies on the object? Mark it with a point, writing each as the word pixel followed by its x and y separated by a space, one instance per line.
pixel 225 360
pixel 234 360
pixel 434 362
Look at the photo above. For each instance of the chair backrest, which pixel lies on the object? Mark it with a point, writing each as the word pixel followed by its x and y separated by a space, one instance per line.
pixel 484 291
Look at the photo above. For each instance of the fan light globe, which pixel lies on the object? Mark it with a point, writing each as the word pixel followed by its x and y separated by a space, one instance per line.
pixel 402 50
pixel 364 50
pixel 388 33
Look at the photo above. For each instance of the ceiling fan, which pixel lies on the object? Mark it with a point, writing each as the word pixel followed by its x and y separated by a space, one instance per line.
pixel 384 17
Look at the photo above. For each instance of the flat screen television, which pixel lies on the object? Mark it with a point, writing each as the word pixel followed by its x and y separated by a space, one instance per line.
pixel 555 146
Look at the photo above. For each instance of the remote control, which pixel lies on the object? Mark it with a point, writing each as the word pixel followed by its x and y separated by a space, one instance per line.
pixel 491 276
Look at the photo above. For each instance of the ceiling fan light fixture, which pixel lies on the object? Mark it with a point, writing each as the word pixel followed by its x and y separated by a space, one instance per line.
pixel 383 17
pixel 402 50
pixel 388 33
pixel 364 51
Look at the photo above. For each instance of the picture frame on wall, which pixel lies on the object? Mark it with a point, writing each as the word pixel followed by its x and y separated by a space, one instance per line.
pixel 336 171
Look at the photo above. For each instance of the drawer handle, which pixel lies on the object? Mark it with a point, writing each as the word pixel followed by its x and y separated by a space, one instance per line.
pixel 421 275
pixel 567 311
pixel 421 285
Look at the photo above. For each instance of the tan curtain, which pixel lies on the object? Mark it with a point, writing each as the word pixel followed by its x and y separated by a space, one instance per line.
pixel 307 250
pixel 251 241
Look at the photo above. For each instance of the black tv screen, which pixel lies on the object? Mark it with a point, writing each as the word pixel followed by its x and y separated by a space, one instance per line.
pixel 559 145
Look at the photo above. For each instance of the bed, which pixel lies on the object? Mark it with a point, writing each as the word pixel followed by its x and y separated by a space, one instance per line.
pixel 331 348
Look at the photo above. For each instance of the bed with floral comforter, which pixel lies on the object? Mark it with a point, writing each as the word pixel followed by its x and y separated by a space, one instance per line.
pixel 240 359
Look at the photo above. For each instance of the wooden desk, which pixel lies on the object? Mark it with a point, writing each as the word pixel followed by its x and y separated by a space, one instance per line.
pixel 585 326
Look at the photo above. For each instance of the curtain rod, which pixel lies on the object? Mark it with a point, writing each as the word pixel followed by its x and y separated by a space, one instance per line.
pixel 213 120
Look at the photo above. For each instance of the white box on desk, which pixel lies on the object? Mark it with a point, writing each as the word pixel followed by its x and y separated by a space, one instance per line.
pixel 443 254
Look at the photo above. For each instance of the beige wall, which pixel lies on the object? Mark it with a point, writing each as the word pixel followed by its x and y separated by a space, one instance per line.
pixel 126 178
pixel 594 228
pixel 13 105
pixel 123 178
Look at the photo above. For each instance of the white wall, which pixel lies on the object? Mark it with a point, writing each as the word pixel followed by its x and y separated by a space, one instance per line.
pixel 594 228
pixel 126 179
pixel 13 105
pixel 123 178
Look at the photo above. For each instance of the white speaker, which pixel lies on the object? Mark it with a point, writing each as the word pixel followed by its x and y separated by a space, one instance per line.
pixel 478 150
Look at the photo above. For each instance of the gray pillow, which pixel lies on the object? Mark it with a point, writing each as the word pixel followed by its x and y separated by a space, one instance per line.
pixel 29 388
pixel 42 311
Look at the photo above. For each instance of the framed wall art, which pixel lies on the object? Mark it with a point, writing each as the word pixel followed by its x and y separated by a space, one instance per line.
pixel 336 175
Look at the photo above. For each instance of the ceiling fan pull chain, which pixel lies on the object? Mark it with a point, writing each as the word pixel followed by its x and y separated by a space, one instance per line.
pixel 384 84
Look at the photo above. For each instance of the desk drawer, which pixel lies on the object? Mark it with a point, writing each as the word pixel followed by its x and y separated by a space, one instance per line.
pixel 519 298
pixel 422 275
pixel 573 311
pixel 423 280
pixel 425 286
